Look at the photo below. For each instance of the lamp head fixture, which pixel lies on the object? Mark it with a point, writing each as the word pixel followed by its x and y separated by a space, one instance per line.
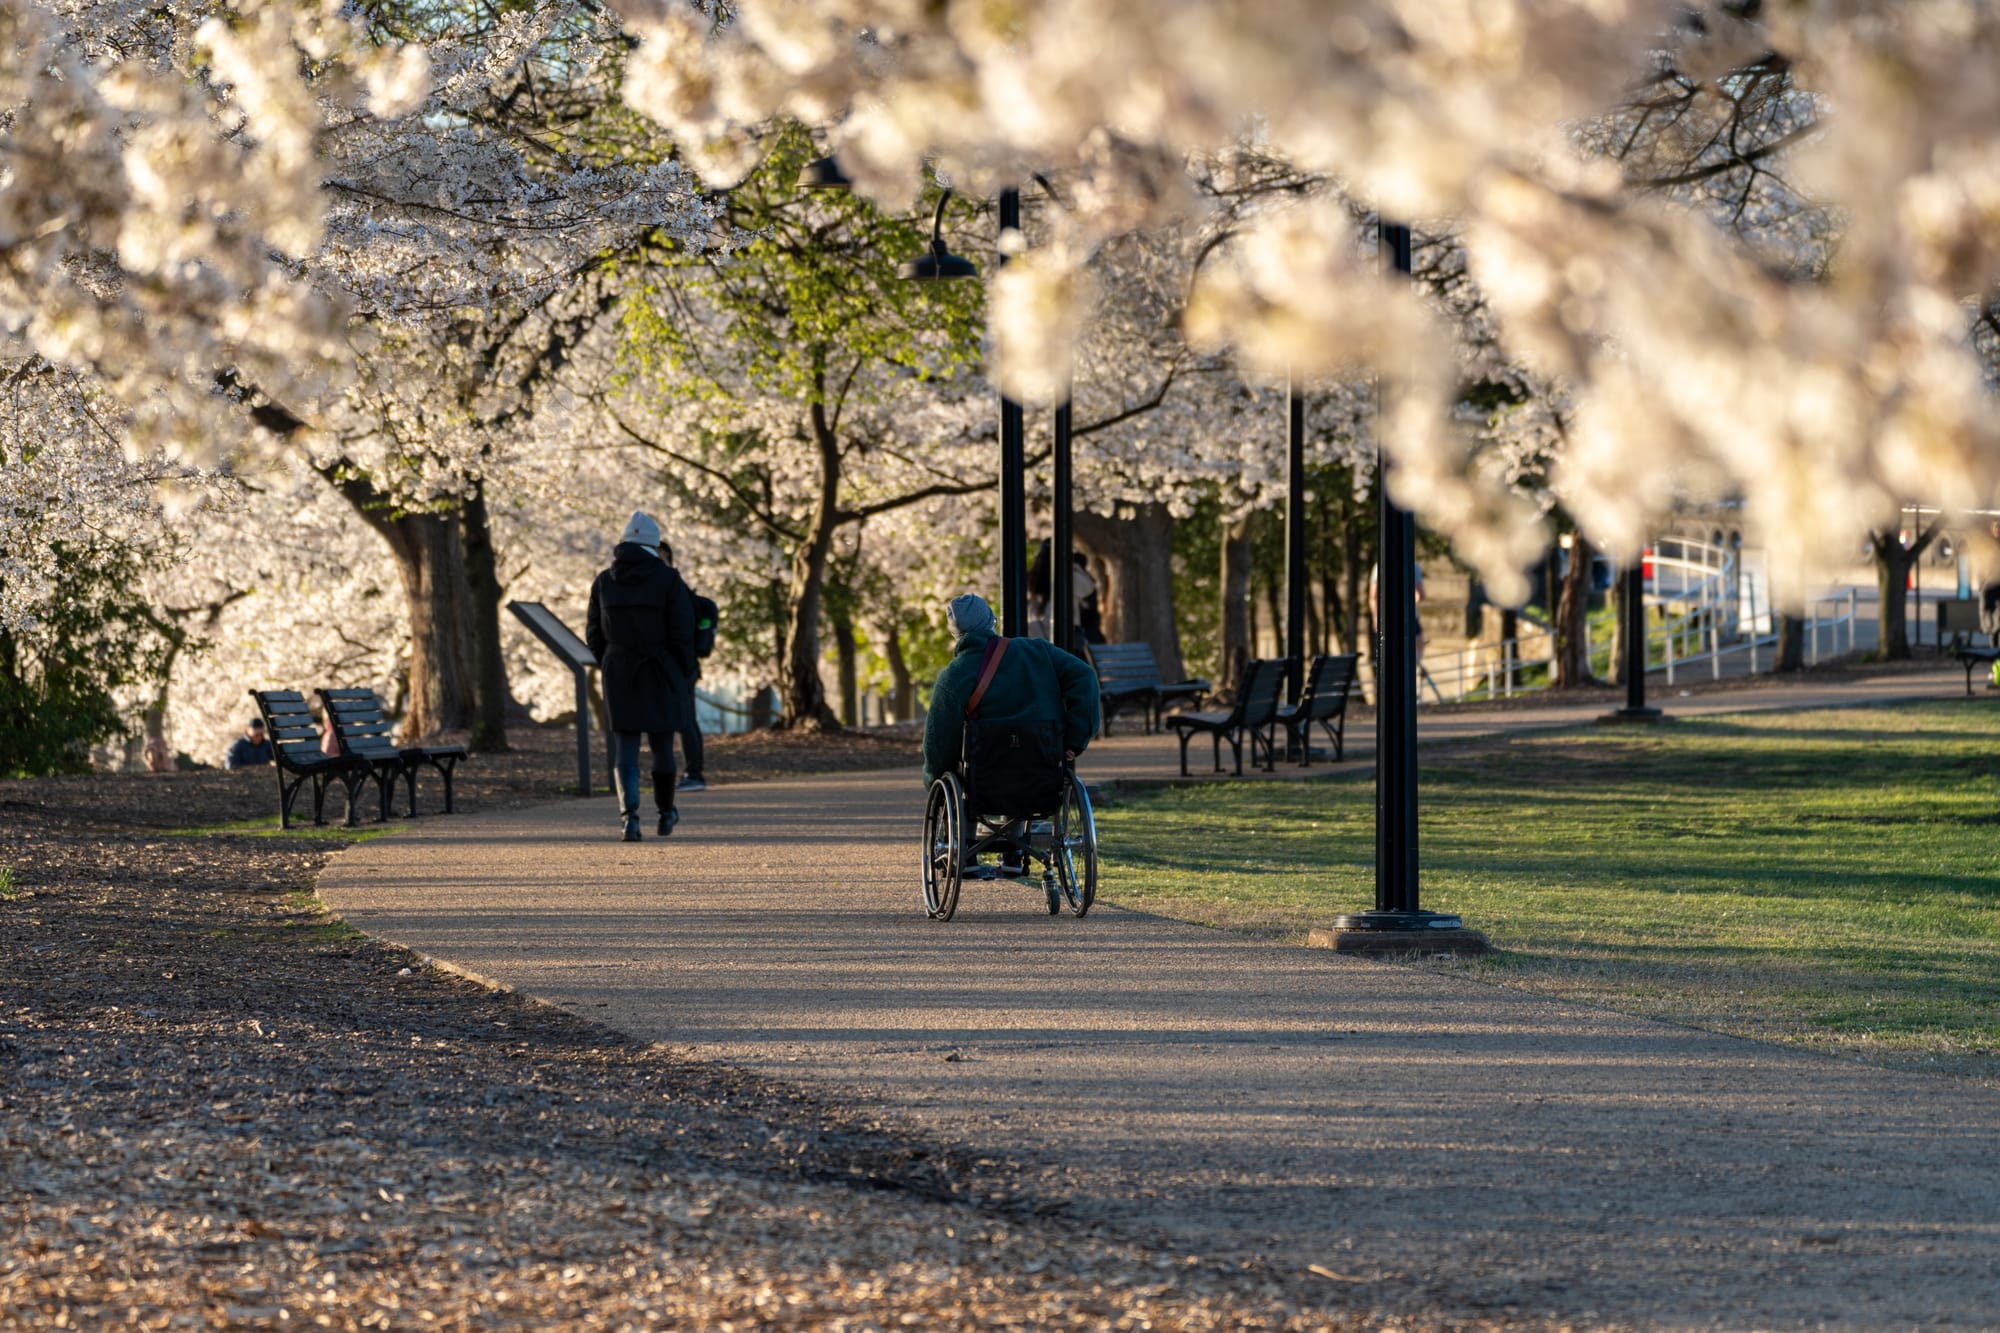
pixel 823 173
pixel 940 264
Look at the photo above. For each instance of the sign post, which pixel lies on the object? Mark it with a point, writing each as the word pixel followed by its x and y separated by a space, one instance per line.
pixel 575 654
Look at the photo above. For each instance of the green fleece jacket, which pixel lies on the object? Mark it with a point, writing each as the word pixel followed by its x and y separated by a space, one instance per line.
pixel 1037 682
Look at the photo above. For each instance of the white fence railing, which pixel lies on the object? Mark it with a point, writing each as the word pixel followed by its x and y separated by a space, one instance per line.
pixel 1711 615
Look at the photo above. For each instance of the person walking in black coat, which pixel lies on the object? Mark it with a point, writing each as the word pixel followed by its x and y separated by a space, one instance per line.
pixel 641 627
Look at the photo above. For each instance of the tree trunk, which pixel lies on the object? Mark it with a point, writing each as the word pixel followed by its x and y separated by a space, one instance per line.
pixel 798 678
pixel 1791 644
pixel 844 655
pixel 1617 676
pixel 431 559
pixel 774 601
pixel 171 623
pixel 1235 608
pixel 1892 576
pixel 489 715
pixel 1274 605
pixel 902 690
pixel 430 555
pixel 1572 651
pixel 1138 601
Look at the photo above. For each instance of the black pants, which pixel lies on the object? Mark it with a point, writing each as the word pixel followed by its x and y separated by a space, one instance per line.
pixel 691 741
pixel 626 775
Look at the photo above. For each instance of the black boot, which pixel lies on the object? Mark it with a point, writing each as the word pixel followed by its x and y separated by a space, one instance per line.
pixel 663 796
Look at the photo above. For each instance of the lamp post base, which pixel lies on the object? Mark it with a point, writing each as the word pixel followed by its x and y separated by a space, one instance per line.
pixel 1399 933
pixel 1633 715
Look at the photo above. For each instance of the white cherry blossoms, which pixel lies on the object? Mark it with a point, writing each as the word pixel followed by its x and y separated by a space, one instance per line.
pixel 158 186
pixel 1694 366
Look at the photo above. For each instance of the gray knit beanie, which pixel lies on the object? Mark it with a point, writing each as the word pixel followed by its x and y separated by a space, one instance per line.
pixel 968 613
pixel 641 529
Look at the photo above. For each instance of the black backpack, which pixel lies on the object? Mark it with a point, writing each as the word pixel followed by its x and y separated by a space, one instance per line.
pixel 1013 769
pixel 706 613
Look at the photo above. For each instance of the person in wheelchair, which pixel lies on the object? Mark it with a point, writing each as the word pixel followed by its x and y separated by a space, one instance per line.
pixel 992 680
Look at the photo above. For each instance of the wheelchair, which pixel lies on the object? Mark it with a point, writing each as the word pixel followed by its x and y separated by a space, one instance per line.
pixel 1062 840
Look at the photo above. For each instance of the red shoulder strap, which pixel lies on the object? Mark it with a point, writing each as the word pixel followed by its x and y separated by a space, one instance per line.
pixel 988 665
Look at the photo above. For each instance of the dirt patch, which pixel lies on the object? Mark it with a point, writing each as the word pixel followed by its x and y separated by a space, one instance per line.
pixel 221 1108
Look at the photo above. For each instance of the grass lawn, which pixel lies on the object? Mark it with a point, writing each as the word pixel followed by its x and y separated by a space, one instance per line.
pixel 1829 879
pixel 267 826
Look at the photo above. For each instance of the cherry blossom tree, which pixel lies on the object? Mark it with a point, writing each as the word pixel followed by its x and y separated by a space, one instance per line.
pixel 1820 402
pixel 799 385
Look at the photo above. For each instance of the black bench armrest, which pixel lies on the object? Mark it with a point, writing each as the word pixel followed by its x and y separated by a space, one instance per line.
pixel 1972 657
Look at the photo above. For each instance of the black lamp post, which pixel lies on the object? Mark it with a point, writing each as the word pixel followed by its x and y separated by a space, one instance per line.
pixel 1062 577
pixel 1633 632
pixel 940 264
pixel 1295 541
pixel 937 265
pixel 1398 922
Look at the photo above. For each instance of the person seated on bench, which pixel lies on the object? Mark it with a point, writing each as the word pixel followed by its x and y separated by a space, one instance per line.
pixel 250 750
pixel 1032 681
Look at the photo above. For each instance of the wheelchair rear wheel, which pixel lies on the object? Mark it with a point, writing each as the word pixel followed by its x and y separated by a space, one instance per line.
pixel 944 847
pixel 1075 848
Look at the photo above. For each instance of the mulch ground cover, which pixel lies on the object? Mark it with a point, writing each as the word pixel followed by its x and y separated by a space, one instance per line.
pixel 220 1108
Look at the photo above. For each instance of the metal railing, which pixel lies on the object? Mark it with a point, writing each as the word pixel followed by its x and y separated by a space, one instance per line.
pixel 718 716
pixel 1709 615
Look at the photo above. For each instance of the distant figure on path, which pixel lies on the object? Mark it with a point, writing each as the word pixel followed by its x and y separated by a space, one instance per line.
pixel 250 749
pixel 1985 571
pixel 704 643
pixel 1082 598
pixel 1089 619
pixel 641 627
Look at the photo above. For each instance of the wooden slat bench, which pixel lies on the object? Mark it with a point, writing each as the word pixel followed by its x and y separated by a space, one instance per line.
pixel 1129 673
pixel 364 730
pixel 1254 716
pixel 295 746
pixel 1328 686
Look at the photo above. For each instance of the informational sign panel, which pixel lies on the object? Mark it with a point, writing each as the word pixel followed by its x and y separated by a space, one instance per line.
pixel 575 654
pixel 560 638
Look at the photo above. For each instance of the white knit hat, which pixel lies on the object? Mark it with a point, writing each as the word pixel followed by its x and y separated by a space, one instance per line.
pixel 641 529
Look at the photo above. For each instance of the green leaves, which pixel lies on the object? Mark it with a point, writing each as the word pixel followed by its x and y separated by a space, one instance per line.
pixel 59 677
pixel 811 303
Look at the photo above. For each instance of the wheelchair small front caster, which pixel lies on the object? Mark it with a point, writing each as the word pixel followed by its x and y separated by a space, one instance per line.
pixel 1054 894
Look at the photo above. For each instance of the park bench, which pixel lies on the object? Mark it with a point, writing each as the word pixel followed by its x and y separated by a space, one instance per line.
pixel 1254 716
pixel 1957 622
pixel 1957 625
pixel 1970 657
pixel 1129 673
pixel 363 727
pixel 295 747
pixel 1328 685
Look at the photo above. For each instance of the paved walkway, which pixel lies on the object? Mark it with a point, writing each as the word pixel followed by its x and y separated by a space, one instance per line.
pixel 1399 1138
